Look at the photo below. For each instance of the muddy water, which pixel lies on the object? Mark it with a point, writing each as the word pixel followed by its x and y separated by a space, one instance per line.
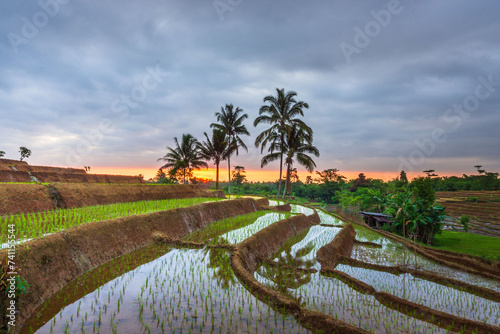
pixel 182 291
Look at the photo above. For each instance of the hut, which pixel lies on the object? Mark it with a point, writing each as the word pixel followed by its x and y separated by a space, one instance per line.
pixel 375 219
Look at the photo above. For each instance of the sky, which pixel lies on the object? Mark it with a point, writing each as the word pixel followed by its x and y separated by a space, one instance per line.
pixel 391 85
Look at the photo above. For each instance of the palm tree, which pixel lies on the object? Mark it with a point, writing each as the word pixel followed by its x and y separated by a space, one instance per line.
pixel 281 114
pixel 298 144
pixel 185 156
pixel 231 122
pixel 216 149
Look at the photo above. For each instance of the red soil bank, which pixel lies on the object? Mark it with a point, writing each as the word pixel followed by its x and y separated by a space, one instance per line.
pixel 20 171
pixel 261 246
pixel 339 250
pixel 429 276
pixel 341 245
pixel 471 264
pixel 468 263
pixel 17 198
pixel 50 262
pixel 78 194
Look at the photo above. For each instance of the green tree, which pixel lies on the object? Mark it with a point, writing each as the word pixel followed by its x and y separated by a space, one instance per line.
pixel 25 152
pixel 330 182
pixel 2 153
pixel 217 149
pixel 402 177
pixel 422 187
pixel 184 157
pixel 465 220
pixel 414 215
pixel 298 146
pixel 360 182
pixel 231 122
pixel 239 175
pixel 281 113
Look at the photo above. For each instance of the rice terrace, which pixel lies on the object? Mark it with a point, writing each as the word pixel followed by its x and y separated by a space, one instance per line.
pixel 232 167
pixel 127 256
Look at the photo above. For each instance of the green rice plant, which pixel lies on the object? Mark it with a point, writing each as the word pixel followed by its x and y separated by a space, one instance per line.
pixel 33 225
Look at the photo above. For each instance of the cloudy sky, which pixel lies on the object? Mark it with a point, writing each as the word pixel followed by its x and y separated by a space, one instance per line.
pixel 391 85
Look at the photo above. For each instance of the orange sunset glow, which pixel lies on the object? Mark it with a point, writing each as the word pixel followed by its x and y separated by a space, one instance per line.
pixel 254 175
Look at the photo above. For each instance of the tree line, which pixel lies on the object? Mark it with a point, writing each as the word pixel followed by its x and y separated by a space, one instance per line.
pixel 287 139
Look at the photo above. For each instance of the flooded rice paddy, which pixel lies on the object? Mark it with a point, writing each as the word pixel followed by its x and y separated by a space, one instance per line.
pixel 196 291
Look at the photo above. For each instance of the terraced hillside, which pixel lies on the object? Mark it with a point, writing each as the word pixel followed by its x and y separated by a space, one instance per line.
pixel 21 171
pixel 483 208
pixel 232 267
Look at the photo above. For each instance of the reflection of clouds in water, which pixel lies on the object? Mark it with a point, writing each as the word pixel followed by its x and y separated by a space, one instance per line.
pixel 243 233
pixel 187 288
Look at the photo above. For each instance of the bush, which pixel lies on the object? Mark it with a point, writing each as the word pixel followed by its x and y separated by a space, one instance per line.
pixel 465 220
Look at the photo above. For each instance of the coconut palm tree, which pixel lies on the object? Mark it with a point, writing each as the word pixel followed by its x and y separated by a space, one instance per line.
pixel 298 145
pixel 281 114
pixel 231 122
pixel 185 156
pixel 216 150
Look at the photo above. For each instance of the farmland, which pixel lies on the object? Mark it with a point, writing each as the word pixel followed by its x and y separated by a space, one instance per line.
pixel 483 208
pixel 192 285
pixel 32 225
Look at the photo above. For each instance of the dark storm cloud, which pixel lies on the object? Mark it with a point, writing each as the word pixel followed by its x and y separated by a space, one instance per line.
pixel 79 84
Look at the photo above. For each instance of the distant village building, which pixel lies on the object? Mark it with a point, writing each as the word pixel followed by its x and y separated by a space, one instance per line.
pixel 375 219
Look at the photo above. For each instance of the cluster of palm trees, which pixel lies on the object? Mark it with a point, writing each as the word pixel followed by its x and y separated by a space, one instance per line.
pixel 288 138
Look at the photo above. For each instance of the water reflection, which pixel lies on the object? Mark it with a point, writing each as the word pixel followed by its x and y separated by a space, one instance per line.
pixel 288 270
pixel 219 263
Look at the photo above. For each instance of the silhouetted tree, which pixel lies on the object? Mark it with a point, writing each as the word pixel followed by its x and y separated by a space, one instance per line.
pixel 184 157
pixel 281 114
pixel 239 175
pixel 360 182
pixel 217 149
pixel 231 122
pixel 402 177
pixel 25 152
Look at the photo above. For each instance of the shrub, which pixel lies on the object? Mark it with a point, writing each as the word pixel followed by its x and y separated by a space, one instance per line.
pixel 465 220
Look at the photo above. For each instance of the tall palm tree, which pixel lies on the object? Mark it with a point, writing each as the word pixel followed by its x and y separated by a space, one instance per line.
pixel 185 156
pixel 216 149
pixel 281 114
pixel 298 145
pixel 231 122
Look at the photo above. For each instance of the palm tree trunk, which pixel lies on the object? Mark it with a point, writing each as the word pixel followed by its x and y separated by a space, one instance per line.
pixel 288 169
pixel 217 177
pixel 281 173
pixel 229 174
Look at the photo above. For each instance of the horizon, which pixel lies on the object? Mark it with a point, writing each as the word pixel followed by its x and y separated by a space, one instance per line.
pixel 254 175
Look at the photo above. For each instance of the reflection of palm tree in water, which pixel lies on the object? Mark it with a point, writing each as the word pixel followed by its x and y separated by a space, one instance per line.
pixel 219 262
pixel 286 272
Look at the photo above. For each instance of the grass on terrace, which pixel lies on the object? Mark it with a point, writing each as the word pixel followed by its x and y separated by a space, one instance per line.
pixel 33 225
pixel 469 243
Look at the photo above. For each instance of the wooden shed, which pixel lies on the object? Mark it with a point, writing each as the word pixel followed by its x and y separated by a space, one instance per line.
pixel 375 219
